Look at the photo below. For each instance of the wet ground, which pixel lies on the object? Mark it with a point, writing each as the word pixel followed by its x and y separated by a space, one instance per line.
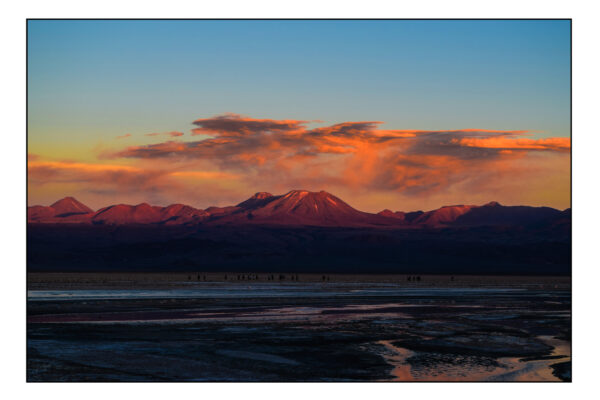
pixel 386 329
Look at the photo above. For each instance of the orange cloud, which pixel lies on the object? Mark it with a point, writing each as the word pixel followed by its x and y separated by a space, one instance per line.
pixel 204 174
pixel 556 144
pixel 172 134
pixel 355 154
pixel 69 165
pixel 357 158
pixel 124 136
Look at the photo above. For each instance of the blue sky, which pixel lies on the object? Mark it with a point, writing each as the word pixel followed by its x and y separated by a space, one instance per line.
pixel 96 78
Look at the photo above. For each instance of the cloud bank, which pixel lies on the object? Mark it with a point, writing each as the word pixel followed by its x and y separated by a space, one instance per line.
pixel 357 159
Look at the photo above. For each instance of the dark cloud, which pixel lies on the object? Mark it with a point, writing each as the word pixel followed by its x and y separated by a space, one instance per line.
pixel 350 153
pixel 237 125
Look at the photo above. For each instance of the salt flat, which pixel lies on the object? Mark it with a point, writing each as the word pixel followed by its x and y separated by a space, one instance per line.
pixel 111 327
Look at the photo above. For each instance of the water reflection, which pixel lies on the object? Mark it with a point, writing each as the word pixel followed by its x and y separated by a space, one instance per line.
pixel 423 366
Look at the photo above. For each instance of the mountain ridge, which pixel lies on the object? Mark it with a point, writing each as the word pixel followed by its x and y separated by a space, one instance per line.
pixel 294 208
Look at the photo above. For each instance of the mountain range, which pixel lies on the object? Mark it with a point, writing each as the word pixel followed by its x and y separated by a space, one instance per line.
pixel 297 208
pixel 299 231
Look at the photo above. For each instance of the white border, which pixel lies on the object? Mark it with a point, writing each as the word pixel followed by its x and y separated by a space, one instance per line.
pixel 585 194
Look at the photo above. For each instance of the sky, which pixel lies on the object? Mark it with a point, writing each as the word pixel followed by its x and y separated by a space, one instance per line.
pixel 404 115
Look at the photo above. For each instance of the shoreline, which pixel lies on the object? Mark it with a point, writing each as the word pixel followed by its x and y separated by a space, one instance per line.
pixel 115 280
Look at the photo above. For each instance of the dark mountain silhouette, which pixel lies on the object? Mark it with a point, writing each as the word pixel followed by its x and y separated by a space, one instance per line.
pixel 300 231
pixel 39 213
pixel 258 200
pixel 181 214
pixel 442 216
pixel 412 216
pixel 495 214
pixel 123 214
pixel 391 214
pixel 215 212
pixel 406 217
pixel 298 208
pixel 490 214
pixel 66 210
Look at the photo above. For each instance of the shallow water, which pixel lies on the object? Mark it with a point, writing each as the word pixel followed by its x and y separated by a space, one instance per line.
pixel 224 289
pixel 473 368
pixel 299 332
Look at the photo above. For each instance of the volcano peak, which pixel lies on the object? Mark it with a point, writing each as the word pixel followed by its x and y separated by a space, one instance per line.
pixel 70 205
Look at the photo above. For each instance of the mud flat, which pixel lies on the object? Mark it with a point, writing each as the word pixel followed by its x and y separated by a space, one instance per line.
pixel 166 327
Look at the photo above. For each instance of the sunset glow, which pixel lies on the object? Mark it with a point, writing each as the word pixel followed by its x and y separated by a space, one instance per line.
pixel 376 152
